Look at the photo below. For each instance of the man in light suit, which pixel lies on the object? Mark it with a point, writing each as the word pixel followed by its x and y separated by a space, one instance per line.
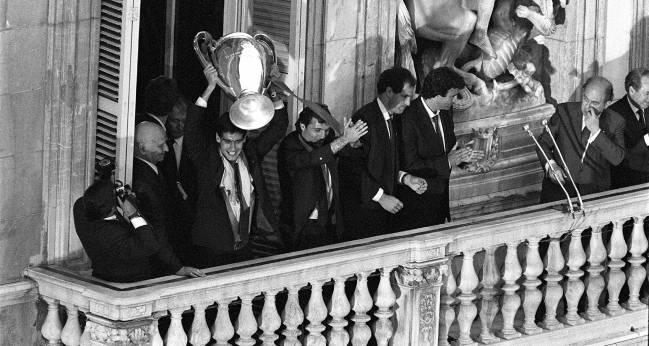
pixel 429 149
pixel 180 182
pixel 591 139
pixel 634 107
pixel 371 177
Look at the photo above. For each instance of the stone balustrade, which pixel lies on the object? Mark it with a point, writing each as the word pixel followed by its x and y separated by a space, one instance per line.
pixel 529 276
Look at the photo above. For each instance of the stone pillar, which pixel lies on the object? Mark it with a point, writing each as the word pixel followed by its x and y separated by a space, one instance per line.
pixel 101 331
pixel 358 44
pixel 639 47
pixel 576 50
pixel 417 286
pixel 70 99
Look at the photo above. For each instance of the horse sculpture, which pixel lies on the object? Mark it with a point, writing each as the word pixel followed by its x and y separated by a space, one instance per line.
pixel 507 24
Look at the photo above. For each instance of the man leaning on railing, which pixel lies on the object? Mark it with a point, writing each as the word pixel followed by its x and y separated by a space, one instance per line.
pixel 120 243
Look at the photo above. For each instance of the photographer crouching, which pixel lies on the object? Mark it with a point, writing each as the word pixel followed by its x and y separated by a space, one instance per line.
pixel 123 247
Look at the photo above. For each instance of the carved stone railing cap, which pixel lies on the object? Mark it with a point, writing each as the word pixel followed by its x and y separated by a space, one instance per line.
pixel 141 299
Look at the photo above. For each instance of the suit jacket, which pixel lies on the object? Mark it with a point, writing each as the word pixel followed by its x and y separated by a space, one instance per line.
pixel 423 154
pixel 303 185
pixel 118 252
pixel 379 162
pixel 212 228
pixel 635 167
pixel 153 204
pixel 606 150
pixel 181 212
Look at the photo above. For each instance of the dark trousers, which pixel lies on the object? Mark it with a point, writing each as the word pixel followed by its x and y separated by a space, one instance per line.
pixel 551 192
pixel 314 234
pixel 206 257
pixel 421 210
pixel 369 222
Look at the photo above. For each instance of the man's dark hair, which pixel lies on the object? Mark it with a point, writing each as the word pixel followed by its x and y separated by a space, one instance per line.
pixel 634 78
pixel 99 199
pixel 439 81
pixel 608 87
pixel 395 78
pixel 160 96
pixel 224 124
pixel 307 114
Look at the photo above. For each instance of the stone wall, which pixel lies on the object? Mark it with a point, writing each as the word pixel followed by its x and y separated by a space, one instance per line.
pixel 47 106
pixel 23 52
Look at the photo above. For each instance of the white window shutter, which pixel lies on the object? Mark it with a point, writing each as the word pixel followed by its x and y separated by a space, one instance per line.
pixel 273 17
pixel 118 35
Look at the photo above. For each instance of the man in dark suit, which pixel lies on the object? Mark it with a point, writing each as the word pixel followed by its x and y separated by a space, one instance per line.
pixel 308 173
pixel 180 180
pixel 429 149
pixel 160 95
pixel 232 199
pixel 149 187
pixel 591 139
pixel 634 108
pixel 120 243
pixel 369 180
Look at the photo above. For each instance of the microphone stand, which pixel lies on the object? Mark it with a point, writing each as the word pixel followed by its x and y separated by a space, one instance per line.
pixel 563 162
pixel 526 127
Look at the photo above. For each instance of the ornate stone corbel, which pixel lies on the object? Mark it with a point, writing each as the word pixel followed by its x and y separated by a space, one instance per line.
pixel 417 286
pixel 102 331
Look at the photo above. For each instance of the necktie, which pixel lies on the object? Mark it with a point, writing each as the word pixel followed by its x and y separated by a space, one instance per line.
pixel 237 183
pixel 641 118
pixel 390 128
pixel 585 134
pixel 433 120
pixel 327 180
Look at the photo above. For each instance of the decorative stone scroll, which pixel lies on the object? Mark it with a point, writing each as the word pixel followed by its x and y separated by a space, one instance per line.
pixel 418 292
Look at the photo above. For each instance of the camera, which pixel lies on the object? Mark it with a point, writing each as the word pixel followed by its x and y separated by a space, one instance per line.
pixel 122 191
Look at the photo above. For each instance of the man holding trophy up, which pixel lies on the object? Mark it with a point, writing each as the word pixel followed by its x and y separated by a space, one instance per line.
pixel 231 195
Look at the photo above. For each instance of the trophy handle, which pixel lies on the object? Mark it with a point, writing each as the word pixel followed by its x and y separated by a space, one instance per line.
pixel 202 41
pixel 267 43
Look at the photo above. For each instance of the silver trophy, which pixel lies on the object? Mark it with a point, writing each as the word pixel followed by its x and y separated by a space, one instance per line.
pixel 244 64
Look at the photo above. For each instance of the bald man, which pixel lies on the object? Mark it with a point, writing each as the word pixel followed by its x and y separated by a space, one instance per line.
pixel 152 197
pixel 591 139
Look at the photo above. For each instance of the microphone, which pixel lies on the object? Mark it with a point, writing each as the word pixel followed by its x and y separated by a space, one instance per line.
pixel 544 122
pixel 526 127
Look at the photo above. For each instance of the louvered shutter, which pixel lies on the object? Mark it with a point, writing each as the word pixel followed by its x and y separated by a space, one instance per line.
pixel 118 38
pixel 273 17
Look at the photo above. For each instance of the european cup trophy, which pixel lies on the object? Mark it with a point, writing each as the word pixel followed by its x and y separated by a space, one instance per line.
pixel 244 64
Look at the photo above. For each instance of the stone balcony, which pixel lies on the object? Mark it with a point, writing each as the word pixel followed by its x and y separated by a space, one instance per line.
pixel 531 276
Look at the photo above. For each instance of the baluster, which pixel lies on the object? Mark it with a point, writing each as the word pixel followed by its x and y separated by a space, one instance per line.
pixel 316 312
pixel 361 304
pixel 574 285
pixel 447 312
pixel 175 334
pixel 269 320
pixel 489 304
pixel 384 299
pixel 84 340
pixel 71 333
pixel 246 322
pixel 636 274
pixel 594 281
pixel 199 333
pixel 533 296
pixel 511 300
pixel 468 309
pixel 339 307
pixel 553 291
pixel 51 329
pixel 156 338
pixel 292 317
pixel 616 278
pixel 222 329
